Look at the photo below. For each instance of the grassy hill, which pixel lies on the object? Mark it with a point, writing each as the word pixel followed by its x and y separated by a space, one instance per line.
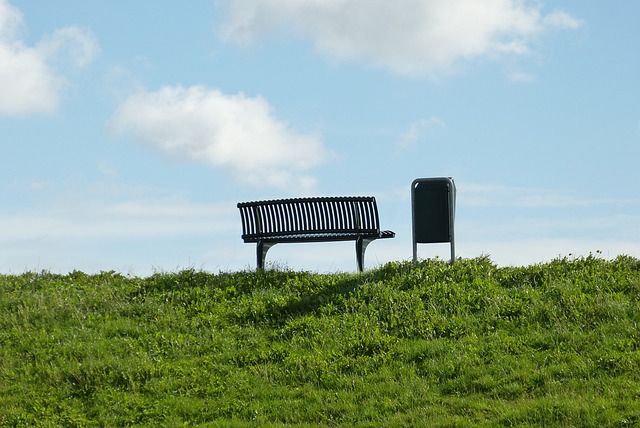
pixel 433 344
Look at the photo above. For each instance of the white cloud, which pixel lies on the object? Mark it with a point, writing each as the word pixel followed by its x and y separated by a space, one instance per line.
pixel 78 43
pixel 489 195
pixel 561 20
pixel 232 131
pixel 29 82
pixel 10 20
pixel 105 235
pixel 521 77
pixel 414 37
pixel 417 129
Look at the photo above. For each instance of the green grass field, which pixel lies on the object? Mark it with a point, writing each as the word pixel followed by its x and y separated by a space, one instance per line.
pixel 432 344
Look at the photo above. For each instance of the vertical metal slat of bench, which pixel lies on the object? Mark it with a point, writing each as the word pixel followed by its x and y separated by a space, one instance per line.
pixel 277 218
pixel 260 215
pixel 304 215
pixel 319 211
pixel 329 209
pixel 322 214
pixel 266 218
pixel 376 215
pixel 332 210
pixel 282 218
pixel 347 215
pixel 273 211
pixel 350 216
pixel 286 209
pixel 293 220
pixel 319 214
pixel 308 216
pixel 361 216
pixel 368 210
pixel 256 219
pixel 297 222
pixel 336 223
pixel 275 221
pixel 252 225
pixel 372 215
pixel 337 212
pixel 336 216
pixel 364 214
pixel 341 216
pixel 371 209
pixel 243 217
pixel 341 219
pixel 315 215
pixel 321 221
pixel 295 216
pixel 286 217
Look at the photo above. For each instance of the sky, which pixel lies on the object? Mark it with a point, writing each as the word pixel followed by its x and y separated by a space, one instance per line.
pixel 130 130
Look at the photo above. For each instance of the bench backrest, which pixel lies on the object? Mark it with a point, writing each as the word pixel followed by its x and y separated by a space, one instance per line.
pixel 282 217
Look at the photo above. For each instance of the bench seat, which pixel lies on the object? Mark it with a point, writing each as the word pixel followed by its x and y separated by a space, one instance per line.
pixel 318 219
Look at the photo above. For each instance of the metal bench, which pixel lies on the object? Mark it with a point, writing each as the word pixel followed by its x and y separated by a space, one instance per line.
pixel 318 219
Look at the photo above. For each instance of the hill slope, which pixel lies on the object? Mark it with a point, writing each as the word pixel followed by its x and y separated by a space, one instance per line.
pixel 470 344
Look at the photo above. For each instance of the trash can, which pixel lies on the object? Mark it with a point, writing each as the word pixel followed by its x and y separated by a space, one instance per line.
pixel 433 208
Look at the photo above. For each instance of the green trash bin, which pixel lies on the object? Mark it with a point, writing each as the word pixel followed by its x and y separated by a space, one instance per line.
pixel 433 209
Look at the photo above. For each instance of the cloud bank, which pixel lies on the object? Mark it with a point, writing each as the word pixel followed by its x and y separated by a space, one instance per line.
pixel 409 37
pixel 236 132
pixel 29 82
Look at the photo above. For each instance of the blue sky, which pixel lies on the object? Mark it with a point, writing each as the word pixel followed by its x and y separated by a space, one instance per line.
pixel 130 130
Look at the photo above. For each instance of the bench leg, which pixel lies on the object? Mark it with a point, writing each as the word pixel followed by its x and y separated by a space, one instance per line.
pixel 361 247
pixel 261 252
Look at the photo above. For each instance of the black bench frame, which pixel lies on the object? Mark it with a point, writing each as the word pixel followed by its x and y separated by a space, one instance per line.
pixel 318 219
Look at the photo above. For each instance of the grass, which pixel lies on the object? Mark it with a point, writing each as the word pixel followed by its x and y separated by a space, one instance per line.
pixel 432 344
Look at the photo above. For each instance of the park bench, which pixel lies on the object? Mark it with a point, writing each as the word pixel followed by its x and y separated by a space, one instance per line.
pixel 318 219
